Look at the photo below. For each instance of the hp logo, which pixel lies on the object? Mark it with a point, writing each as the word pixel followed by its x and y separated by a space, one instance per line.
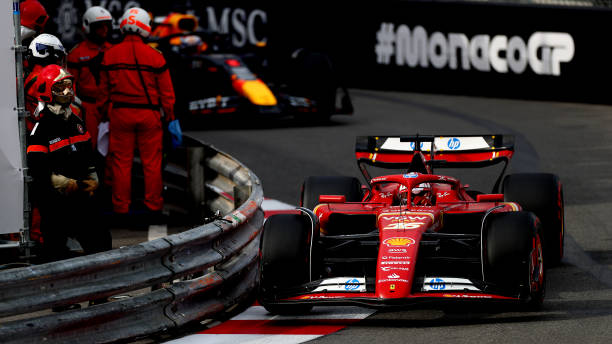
pixel 352 284
pixel 437 284
pixel 412 144
pixel 453 143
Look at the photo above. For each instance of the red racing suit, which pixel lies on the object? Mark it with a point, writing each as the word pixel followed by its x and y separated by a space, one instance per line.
pixel 136 117
pixel 84 61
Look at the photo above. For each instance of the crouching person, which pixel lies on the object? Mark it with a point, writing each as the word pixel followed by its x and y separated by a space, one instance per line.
pixel 60 159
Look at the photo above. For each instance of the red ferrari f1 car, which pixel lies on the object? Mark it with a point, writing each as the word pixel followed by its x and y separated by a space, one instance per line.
pixel 415 236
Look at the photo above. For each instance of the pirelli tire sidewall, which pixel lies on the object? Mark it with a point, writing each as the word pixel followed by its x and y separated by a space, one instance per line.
pixel 542 194
pixel 513 259
pixel 285 260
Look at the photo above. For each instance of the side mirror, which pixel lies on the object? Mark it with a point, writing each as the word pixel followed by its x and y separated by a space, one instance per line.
pixel 332 199
pixel 490 198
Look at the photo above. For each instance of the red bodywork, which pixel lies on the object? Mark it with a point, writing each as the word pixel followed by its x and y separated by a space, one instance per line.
pixel 400 230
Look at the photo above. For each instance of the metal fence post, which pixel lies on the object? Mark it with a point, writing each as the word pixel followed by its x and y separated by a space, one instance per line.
pixel 197 180
pixel 241 194
pixel 25 241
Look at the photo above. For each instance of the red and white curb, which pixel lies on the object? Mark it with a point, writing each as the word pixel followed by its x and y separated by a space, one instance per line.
pixel 256 325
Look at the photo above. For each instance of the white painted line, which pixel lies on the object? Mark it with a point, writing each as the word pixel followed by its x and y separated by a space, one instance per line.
pixel 157 231
pixel 318 312
pixel 244 339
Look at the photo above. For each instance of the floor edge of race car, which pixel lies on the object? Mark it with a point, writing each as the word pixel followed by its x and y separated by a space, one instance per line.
pixel 256 325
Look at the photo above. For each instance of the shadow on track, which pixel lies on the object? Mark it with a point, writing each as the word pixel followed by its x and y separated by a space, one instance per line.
pixel 564 284
pixel 470 314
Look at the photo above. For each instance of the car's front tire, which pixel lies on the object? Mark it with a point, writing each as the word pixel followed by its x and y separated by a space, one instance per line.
pixel 513 256
pixel 541 194
pixel 286 247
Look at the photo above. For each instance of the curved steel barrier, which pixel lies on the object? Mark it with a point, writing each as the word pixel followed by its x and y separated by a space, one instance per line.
pixel 223 252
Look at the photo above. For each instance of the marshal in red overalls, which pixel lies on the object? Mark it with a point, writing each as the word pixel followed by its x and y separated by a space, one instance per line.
pixel 84 62
pixel 135 79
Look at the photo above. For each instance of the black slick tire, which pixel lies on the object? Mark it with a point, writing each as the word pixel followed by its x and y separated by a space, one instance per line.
pixel 513 256
pixel 285 260
pixel 541 194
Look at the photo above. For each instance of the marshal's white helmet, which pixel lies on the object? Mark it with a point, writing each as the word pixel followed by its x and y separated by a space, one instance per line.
pixel 95 14
pixel 136 20
pixel 47 49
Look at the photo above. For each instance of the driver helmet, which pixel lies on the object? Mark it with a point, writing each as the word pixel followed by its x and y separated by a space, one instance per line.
pixel 135 20
pixel 403 194
pixel 421 194
pixel 47 49
pixel 175 23
pixel 55 86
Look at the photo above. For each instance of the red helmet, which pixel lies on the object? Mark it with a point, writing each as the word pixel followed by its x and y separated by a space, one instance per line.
pixel 33 15
pixel 55 85
pixel 422 194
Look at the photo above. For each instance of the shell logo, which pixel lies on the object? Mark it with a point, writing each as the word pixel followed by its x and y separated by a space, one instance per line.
pixel 395 241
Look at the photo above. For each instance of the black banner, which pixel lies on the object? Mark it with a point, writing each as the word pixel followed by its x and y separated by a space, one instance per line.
pixel 532 52
pixel 245 22
pixel 481 49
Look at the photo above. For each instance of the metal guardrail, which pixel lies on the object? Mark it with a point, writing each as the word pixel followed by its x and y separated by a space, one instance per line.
pixel 558 3
pixel 224 253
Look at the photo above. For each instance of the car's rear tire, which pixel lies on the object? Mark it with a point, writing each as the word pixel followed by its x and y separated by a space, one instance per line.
pixel 315 186
pixel 541 194
pixel 285 259
pixel 513 256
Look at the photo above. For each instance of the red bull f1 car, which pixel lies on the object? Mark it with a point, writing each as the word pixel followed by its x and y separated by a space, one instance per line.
pixel 211 77
pixel 415 236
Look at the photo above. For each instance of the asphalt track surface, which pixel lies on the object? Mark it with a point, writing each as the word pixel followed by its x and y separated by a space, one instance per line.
pixel 571 140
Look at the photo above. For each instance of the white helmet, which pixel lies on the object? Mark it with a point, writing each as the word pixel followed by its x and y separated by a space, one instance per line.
pixel 47 49
pixel 95 14
pixel 136 20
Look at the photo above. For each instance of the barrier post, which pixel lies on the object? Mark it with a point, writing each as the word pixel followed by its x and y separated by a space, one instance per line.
pixel 241 194
pixel 197 185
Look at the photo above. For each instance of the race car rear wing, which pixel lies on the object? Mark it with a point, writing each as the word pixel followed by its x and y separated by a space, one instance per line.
pixel 463 151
